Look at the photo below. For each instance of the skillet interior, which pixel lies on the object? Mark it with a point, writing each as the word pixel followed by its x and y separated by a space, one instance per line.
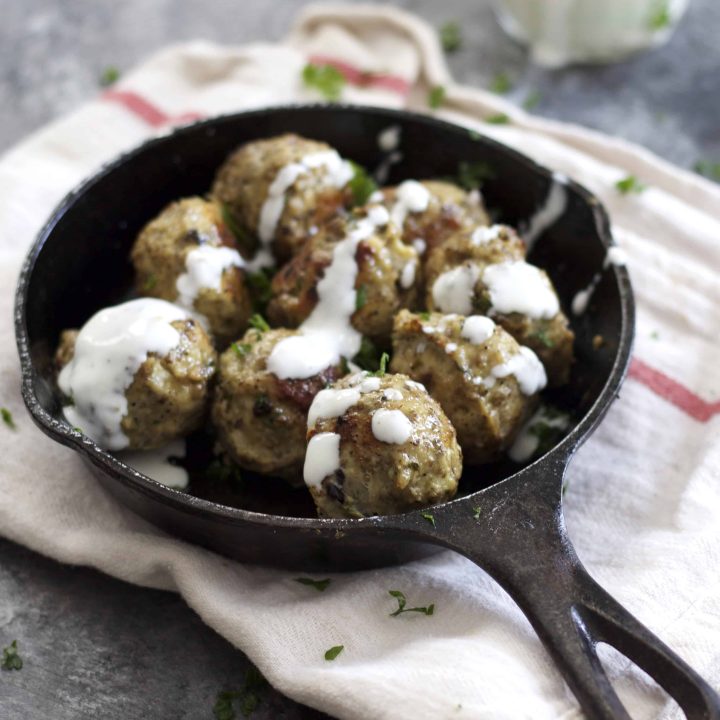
pixel 80 264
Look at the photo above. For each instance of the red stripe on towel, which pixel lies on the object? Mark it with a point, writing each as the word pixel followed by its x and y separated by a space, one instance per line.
pixel 145 110
pixel 673 391
pixel 363 78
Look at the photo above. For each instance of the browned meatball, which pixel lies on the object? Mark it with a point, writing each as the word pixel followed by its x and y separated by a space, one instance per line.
pixel 386 277
pixel 484 381
pixel 282 188
pixel 183 249
pixel 166 397
pixel 261 419
pixel 491 277
pixel 377 446
pixel 447 210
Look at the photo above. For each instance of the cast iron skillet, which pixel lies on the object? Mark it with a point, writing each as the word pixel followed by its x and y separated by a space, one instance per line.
pixel 507 520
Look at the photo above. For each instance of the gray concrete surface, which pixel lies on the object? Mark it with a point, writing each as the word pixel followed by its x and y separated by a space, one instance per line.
pixel 93 646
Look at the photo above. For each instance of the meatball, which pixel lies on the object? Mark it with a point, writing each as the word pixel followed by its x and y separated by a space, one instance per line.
pixel 385 281
pixel 281 189
pixel 137 375
pixel 377 446
pixel 485 382
pixel 430 211
pixel 188 256
pixel 261 419
pixel 491 278
pixel 482 244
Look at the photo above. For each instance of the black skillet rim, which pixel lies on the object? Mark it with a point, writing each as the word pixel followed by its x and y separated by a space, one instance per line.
pixel 65 435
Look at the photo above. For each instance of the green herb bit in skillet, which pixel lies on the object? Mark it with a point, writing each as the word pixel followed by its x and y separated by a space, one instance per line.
pixel 660 17
pixel 429 517
pixel 498 119
pixel 258 322
pixel 472 174
pixel 362 186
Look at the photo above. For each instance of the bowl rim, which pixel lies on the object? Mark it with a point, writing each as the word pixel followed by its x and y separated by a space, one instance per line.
pixel 62 433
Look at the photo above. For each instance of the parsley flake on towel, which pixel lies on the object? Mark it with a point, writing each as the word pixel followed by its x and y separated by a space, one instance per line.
pixel 11 660
pixel 326 79
pixel 402 602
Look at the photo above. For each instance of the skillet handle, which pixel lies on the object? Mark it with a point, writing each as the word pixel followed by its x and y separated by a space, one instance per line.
pixel 522 542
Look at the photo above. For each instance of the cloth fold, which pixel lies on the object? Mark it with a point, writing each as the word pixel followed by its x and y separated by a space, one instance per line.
pixel 643 492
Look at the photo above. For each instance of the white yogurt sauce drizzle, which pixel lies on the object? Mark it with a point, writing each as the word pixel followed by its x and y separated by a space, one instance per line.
pixel 420 245
pixel 156 464
pixel 109 350
pixel 527 369
pixel 389 138
pixel 453 290
pixel 322 458
pixel 477 329
pixel 517 286
pixel 330 403
pixel 407 276
pixel 527 441
pixel 391 426
pixel 615 256
pixel 410 197
pixel 548 213
pixel 338 173
pixel 392 394
pixel 484 235
pixel 204 268
pixel 327 334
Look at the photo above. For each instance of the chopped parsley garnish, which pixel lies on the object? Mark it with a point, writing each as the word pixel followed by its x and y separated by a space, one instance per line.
pixel 248 697
pixel 402 602
pixel 150 283
pixel 436 97
pixel 344 366
pixel 498 119
pixel 258 322
pixel 326 79
pixel 319 585
pixel 424 316
pixel 655 335
pixel 260 283
pixel 109 76
pixel 630 184
pixel 333 652
pixel 546 434
pixel 11 660
pixel 708 169
pixel 473 173
pixel 384 359
pixel 241 349
pixel 362 186
pixel 450 36
pixel 7 418
pixel 429 517
pixel 224 473
pixel 543 338
pixel 262 406
pixel 532 100
pixel 501 84
pixel 244 239
pixel 660 17
pixel 368 357
pixel 360 297
pixel 474 134
pixel 476 512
